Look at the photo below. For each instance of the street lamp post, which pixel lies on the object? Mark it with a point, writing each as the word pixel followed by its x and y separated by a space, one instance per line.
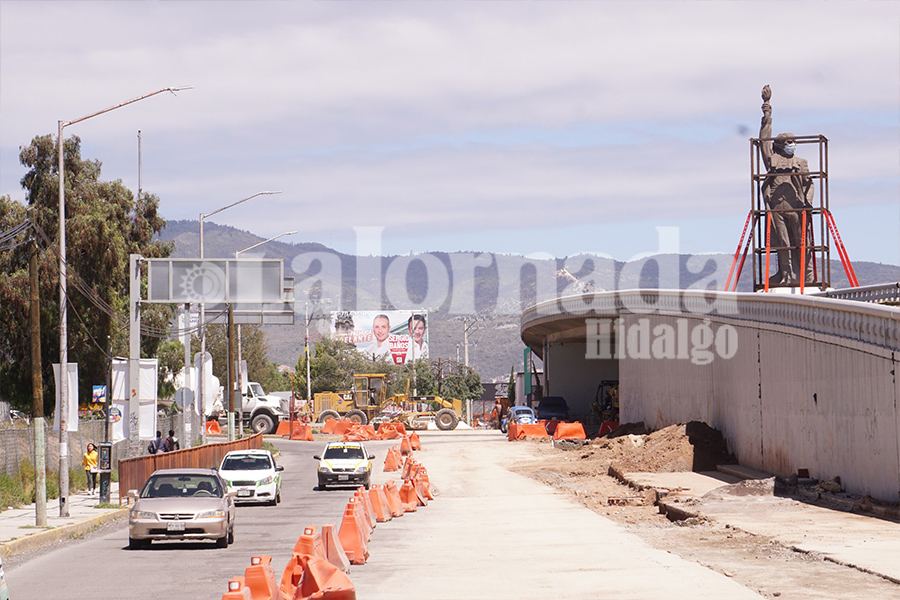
pixel 240 373
pixel 202 324
pixel 63 325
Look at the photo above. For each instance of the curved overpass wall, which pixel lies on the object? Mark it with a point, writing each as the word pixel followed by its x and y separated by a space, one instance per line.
pixel 812 382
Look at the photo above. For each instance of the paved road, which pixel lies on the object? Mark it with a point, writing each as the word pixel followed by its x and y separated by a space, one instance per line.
pixel 102 568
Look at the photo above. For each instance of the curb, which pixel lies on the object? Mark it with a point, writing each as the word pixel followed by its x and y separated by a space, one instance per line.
pixel 37 541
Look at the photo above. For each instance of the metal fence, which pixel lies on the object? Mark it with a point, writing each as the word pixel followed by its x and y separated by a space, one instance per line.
pixel 134 472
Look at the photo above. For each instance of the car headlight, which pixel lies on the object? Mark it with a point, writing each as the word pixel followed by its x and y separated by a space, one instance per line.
pixel 266 480
pixel 362 469
pixel 324 469
pixel 143 515
pixel 212 514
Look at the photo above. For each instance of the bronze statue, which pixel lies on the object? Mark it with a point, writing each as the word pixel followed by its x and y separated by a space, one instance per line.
pixel 790 188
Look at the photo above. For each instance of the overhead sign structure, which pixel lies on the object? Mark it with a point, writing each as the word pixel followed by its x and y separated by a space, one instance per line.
pixel 232 280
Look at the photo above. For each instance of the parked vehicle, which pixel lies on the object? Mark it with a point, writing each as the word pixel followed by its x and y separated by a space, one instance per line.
pixel 553 407
pixel 345 463
pixel 252 475
pixel 181 504
pixel 4 591
pixel 518 415
pixel 259 411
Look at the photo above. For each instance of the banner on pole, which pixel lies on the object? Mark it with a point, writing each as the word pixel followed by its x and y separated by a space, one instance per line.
pixel 72 417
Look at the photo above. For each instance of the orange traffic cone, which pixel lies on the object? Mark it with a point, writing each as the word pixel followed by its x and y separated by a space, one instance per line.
pixel 352 535
pixel 237 590
pixel 390 462
pixel 310 543
pixel 379 504
pixel 395 506
pixel 414 441
pixel 259 578
pixel 333 549
pixel 409 499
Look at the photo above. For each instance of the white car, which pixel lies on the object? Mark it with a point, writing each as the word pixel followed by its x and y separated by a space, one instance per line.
pixel 252 475
pixel 4 591
pixel 344 463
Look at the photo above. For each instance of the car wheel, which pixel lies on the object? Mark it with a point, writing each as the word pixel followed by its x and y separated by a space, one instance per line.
pixel 278 498
pixel 222 542
pixel 230 539
pixel 446 419
pixel 503 428
pixel 134 544
pixel 263 424
pixel 367 484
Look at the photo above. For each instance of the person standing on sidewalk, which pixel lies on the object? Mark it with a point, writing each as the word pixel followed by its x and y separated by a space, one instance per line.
pixel 89 463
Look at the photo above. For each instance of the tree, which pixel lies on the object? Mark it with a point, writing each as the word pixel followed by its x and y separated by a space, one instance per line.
pixel 463 383
pixel 511 386
pixel 104 224
pixel 171 361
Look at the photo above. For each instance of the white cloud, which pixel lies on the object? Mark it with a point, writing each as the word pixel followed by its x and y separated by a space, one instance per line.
pixel 449 113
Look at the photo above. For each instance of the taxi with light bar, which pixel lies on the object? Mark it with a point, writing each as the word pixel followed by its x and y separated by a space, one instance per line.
pixel 344 463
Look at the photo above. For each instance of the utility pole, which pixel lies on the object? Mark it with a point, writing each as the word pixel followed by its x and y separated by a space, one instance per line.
pixel 306 350
pixel 230 378
pixel 37 396
pixel 466 342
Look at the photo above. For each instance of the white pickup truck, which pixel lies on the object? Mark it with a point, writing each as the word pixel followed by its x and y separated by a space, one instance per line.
pixel 259 411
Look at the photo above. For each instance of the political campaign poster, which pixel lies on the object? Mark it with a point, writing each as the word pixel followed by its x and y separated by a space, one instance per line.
pixel 398 336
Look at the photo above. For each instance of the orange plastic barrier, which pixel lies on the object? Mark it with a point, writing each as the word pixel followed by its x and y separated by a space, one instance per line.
pixel 284 428
pixel 362 499
pixel 341 427
pixel 329 425
pixel 550 425
pixel 379 504
pixel 301 432
pixel 393 499
pixel 316 578
pixel 389 431
pixel 259 578
pixel 310 543
pixel 333 549
pixel 409 497
pixel 405 447
pixel 569 431
pixel 407 467
pixel 212 428
pixel 512 432
pixel 352 535
pixel 414 442
pixel 531 431
pixel 391 461
pixel 426 484
pixel 237 590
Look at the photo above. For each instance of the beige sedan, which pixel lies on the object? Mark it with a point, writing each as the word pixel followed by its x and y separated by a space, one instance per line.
pixel 181 504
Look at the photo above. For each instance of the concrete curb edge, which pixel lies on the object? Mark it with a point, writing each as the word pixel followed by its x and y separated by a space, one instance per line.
pixel 41 539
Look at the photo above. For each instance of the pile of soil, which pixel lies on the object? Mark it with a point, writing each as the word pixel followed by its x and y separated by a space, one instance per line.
pixel 694 446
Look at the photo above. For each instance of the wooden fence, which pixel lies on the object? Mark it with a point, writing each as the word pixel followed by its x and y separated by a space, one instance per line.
pixel 134 472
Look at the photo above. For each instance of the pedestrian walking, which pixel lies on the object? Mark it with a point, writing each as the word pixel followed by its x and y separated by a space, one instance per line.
pixel 157 444
pixel 89 464
pixel 171 442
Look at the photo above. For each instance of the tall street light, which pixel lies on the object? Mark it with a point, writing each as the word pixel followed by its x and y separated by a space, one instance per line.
pixel 63 326
pixel 240 373
pixel 202 324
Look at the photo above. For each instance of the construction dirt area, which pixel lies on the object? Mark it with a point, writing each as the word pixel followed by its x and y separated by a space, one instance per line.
pixel 605 474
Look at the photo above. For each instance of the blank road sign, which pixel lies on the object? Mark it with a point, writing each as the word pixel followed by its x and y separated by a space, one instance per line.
pixel 191 280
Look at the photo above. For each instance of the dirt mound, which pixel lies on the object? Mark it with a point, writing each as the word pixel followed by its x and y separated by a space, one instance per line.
pixel 693 446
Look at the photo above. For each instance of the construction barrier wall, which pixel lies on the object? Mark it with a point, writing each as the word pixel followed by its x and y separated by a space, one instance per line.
pixel 134 472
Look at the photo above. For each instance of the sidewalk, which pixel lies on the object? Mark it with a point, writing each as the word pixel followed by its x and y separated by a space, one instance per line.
pixel 18 533
pixel 867 543
pixel 495 534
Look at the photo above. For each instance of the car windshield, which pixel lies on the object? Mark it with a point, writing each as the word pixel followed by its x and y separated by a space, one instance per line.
pixel 553 402
pixel 182 486
pixel 339 452
pixel 246 462
pixel 257 389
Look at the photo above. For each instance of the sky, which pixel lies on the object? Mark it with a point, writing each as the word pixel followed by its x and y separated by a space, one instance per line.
pixel 539 127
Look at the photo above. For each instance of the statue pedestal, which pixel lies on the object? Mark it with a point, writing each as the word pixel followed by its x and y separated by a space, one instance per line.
pixel 795 291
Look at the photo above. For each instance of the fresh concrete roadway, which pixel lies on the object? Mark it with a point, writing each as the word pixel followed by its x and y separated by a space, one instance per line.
pixel 102 568
pixel 490 534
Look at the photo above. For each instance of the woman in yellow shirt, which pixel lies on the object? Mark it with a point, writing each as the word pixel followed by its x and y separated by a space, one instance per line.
pixel 89 463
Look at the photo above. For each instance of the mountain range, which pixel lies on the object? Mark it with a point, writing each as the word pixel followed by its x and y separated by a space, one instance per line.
pixel 482 291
